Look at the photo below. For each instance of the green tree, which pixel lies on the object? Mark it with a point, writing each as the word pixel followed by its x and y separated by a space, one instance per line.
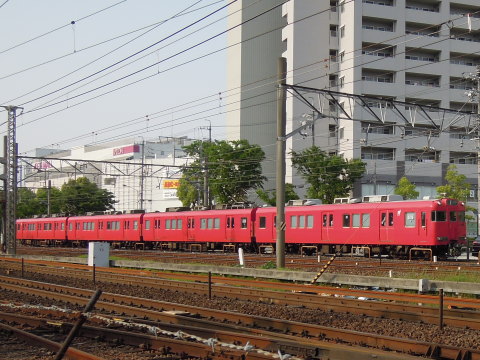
pixel 270 197
pixel 28 204
pixel 328 176
pixel 188 193
pixel 81 196
pixel 456 186
pixel 55 200
pixel 406 189
pixel 234 167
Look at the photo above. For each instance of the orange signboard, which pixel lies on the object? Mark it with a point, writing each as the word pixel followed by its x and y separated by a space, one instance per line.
pixel 171 184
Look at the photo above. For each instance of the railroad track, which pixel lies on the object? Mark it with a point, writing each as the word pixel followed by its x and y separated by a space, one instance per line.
pixel 305 334
pixel 289 293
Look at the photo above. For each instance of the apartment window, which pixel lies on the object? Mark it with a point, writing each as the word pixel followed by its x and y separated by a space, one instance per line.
pixel 342 56
pixel 342 31
pixel 333 30
pixel 341 81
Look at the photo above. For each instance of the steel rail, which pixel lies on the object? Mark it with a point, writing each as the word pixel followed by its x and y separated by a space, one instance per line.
pixel 72 353
pixel 264 340
pixel 151 278
pixel 353 337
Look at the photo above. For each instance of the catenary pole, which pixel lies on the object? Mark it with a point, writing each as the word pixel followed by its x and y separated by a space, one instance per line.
pixel 280 174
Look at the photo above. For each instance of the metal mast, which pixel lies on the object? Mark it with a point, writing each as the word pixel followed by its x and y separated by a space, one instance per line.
pixel 11 181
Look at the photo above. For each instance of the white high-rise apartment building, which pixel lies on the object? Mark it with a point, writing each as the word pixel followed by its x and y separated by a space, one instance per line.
pixel 415 51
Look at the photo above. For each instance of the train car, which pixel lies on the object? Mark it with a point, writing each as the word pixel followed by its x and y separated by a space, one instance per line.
pixel 49 231
pixel 211 229
pixel 383 227
pixel 113 228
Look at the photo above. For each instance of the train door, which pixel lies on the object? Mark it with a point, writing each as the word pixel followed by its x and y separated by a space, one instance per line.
pixel 423 226
pixel 230 229
pixel 327 226
pixel 191 228
pixel 386 225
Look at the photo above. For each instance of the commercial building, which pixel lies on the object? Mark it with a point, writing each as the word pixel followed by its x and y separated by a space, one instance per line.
pixel 142 174
pixel 414 51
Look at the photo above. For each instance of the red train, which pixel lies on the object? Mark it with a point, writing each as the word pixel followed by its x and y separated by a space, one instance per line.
pixel 392 227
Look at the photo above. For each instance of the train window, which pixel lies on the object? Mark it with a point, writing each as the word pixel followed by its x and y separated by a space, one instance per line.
pixel 275 221
pixel 324 220
pixel 390 219
pixel 174 224
pixel 167 224
pixel 233 223
pixel 203 223
pixel 117 225
pixel 309 221
pixel 70 226
pixel 452 202
pixel 244 222
pixel 453 216
pixel 439 216
pixel 147 224
pixel 109 225
pixel 383 220
pixel 135 225
pixel 410 219
pixel 209 223
pixel 228 223
pixel 179 224
pixel 346 220
pixel 461 216
pixel 301 221
pixel 216 223
pixel 330 220
pixel 356 220
pixel 293 221
pixel 424 219
pixel 78 226
pixel 263 222
pixel 100 225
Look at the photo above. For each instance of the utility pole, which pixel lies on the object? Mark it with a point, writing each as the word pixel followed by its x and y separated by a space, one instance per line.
pixel 11 181
pixel 280 174
pixel 142 175
pixel 49 188
pixel 206 192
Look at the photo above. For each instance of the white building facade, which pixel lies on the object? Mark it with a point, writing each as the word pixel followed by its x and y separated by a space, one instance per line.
pixel 415 51
pixel 142 174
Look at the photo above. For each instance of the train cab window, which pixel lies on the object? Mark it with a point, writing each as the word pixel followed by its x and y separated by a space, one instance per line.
pixel 410 219
pixel 293 221
pixel 147 224
pixel 324 220
pixel 390 219
pixel 346 220
pixel 439 216
pixel 330 220
pixel 356 220
pixel 244 223
pixel 310 221
pixel 203 223
pixel 424 219
pixel 167 224
pixel 453 216
pixel 135 225
pixel 263 222
pixel 461 216
pixel 216 223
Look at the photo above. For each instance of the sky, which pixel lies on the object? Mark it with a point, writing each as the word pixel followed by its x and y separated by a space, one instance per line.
pixel 91 71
